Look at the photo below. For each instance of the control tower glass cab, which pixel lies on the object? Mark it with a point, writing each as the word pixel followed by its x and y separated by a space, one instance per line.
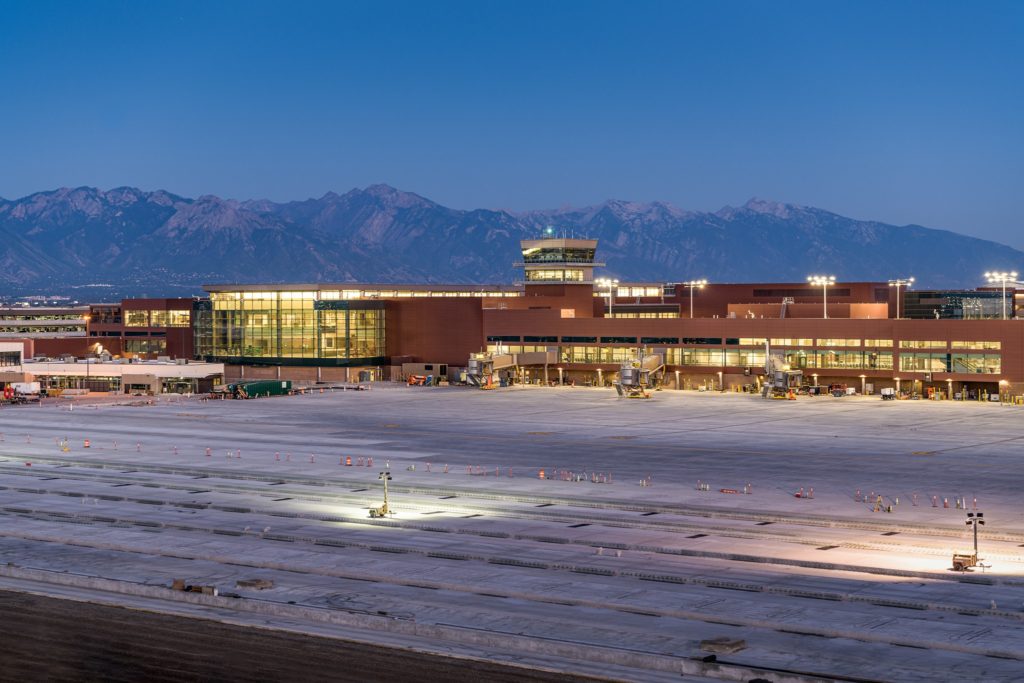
pixel 558 261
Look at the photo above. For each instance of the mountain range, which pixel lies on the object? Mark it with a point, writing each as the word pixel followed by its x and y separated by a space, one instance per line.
pixel 129 242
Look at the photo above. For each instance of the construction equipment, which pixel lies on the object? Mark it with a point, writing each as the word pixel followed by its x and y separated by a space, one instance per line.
pixel 780 381
pixel 417 380
pixel 383 510
pixel 638 375
pixel 964 561
pixel 786 301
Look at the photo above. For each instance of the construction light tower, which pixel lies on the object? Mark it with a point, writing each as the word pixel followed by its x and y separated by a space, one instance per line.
pixel 383 510
pixel 973 520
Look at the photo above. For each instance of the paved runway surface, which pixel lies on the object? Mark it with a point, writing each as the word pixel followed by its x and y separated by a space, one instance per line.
pixel 585 570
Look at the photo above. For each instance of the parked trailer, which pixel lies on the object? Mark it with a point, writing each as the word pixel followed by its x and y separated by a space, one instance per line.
pixel 255 388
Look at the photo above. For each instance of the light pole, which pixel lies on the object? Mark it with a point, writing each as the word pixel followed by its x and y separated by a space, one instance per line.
pixel 383 510
pixel 823 281
pixel 1002 278
pixel 610 284
pixel 897 283
pixel 694 284
pixel 973 520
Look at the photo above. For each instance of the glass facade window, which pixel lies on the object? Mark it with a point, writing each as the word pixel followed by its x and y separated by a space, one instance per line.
pixel 10 358
pixel 799 359
pixel 294 326
pixel 179 318
pixel 558 255
pixel 839 342
pixel 956 305
pixel 695 356
pixel 744 358
pixel 555 275
pixel 922 344
pixel 515 348
pixel 596 354
pixel 976 363
pixel 880 360
pixel 752 341
pixel 979 345
pixel 924 362
pixel 632 291
pixel 157 347
pixel 840 359
pixel 136 318
pixel 644 314
pixel 878 343
pixel 792 342
pixel 156 318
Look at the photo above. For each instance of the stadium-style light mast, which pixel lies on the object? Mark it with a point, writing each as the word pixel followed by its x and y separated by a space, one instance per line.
pixel 823 281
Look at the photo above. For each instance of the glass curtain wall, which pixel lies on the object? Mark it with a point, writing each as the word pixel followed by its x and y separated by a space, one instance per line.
pixel 294 327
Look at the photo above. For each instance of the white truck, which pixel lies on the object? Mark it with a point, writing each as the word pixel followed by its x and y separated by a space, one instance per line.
pixel 23 392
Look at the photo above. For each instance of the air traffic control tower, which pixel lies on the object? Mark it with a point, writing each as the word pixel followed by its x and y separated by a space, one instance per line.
pixel 560 267
pixel 558 261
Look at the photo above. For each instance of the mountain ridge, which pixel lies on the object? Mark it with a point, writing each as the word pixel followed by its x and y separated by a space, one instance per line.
pixel 161 243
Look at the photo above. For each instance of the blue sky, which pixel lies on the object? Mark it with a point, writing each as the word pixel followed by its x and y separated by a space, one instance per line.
pixel 905 112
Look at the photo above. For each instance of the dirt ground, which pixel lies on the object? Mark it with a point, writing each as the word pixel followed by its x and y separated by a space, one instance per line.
pixel 46 639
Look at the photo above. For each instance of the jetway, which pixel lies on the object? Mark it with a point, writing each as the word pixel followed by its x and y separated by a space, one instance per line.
pixel 639 375
pixel 488 370
pixel 780 381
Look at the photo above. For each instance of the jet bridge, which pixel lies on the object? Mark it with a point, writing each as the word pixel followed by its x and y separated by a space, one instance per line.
pixel 637 376
pixel 484 370
pixel 780 381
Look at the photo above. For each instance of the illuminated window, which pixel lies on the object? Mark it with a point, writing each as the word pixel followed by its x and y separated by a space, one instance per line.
pixel 555 275
pixel 924 362
pixel 976 363
pixel 977 345
pixel 922 344
pixel 792 342
pixel 136 318
pixel 744 358
pixel 627 291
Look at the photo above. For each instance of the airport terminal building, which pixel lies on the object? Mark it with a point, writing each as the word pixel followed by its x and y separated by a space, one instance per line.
pixel 574 328
pixel 560 324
